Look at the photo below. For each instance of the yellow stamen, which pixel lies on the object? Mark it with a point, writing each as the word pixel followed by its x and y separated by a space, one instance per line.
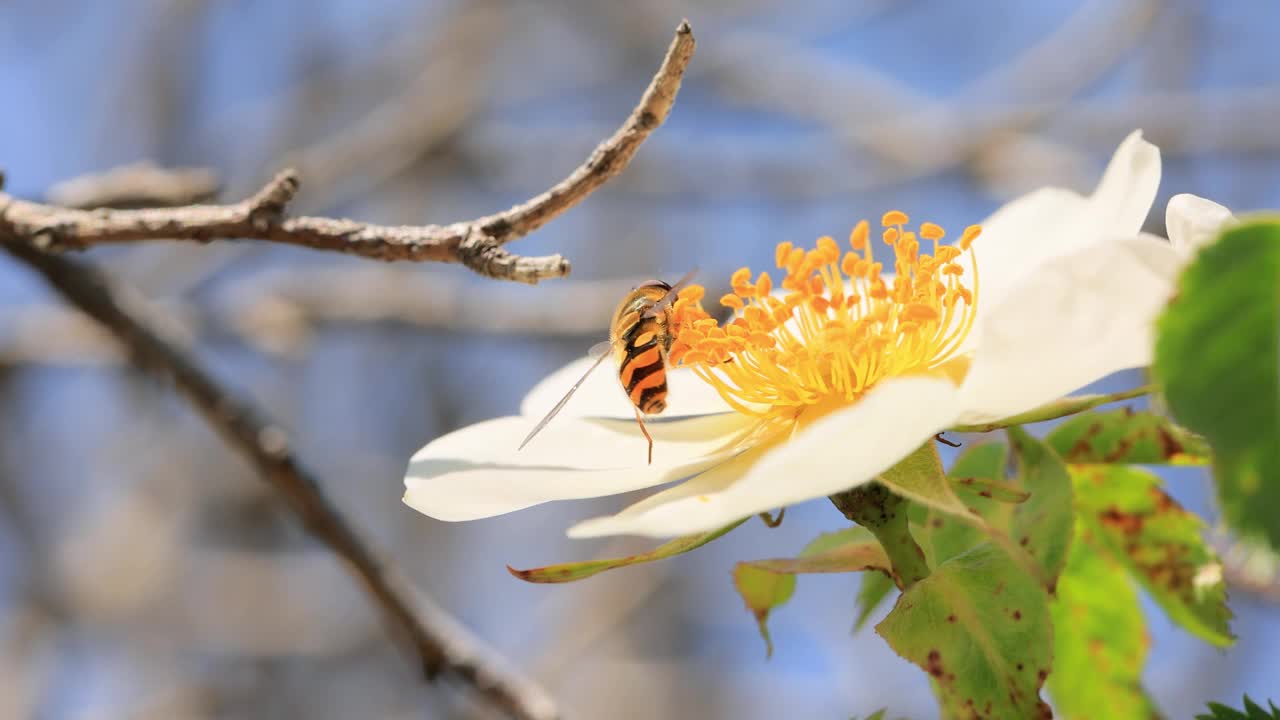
pixel 894 217
pixel 838 327
pixel 929 231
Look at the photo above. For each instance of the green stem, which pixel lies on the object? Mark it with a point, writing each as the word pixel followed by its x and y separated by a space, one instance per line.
pixel 885 515
pixel 1057 409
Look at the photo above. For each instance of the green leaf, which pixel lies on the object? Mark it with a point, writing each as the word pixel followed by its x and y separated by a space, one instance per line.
pixel 1056 409
pixel 1123 509
pixel 997 490
pixel 1043 525
pixel 874 589
pixel 854 557
pixel 980 626
pixel 943 537
pixel 1252 711
pixel 1126 437
pixel 569 572
pixel 1101 648
pixel 919 477
pixel 1218 356
pixel 766 584
pixel 828 541
pixel 763 590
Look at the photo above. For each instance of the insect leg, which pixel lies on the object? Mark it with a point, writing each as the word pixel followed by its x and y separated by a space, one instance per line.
pixel 773 521
pixel 647 436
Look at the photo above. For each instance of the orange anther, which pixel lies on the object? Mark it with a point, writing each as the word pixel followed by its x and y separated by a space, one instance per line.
pixel 741 276
pixel 692 293
pixel 764 285
pixel 969 235
pixel 890 235
pixel 763 340
pixel 731 301
pixel 813 260
pixel 930 231
pixel 920 312
pixel 781 253
pixel 953 269
pixel 858 237
pixel 695 357
pixel 816 285
pixel 947 253
pixel 849 264
pixel 829 249
pixel 894 217
pixel 794 258
pixel 819 304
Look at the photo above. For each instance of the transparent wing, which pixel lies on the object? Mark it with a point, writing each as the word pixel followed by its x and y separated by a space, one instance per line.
pixel 665 301
pixel 599 351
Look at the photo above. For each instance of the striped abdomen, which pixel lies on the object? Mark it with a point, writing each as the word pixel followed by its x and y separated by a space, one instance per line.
pixel 643 348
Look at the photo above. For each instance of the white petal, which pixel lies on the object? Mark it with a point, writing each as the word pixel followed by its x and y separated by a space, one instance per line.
pixel 476 472
pixel 602 394
pixel 846 448
pixel 1193 222
pixel 1053 222
pixel 1076 320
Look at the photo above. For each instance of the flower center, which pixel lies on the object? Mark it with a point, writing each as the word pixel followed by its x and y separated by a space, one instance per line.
pixel 839 327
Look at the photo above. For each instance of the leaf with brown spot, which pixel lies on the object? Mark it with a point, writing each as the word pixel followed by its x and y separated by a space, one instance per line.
pixel 1123 437
pixel 1043 525
pixel 996 490
pixel 1123 510
pixel 1101 647
pixel 984 659
pixel 569 572
pixel 767 584
pixel 941 535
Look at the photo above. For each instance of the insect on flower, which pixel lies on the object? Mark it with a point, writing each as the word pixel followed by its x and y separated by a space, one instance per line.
pixel 639 338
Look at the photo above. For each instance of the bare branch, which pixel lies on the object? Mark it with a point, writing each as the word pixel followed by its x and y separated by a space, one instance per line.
pixel 476 243
pixel 138 185
pixel 441 644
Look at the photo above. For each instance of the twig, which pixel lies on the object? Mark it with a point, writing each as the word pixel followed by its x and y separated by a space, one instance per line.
pixel 442 646
pixel 136 186
pixel 476 243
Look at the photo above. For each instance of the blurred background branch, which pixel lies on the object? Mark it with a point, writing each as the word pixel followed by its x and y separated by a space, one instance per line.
pixel 443 647
pixel 148 573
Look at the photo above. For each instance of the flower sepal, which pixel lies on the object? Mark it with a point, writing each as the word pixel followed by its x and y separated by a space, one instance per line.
pixel 1064 407
pixel 574 571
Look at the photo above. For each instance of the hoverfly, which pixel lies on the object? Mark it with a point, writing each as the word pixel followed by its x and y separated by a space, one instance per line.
pixel 639 338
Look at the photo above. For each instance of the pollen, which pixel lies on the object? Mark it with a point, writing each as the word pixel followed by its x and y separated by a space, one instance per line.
pixel 836 325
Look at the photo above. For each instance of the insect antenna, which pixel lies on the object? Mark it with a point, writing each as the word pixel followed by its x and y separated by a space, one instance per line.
pixel 670 297
pixel 602 350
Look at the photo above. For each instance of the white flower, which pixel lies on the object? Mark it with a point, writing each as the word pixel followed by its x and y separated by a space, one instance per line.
pixel 1193 222
pixel 847 373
